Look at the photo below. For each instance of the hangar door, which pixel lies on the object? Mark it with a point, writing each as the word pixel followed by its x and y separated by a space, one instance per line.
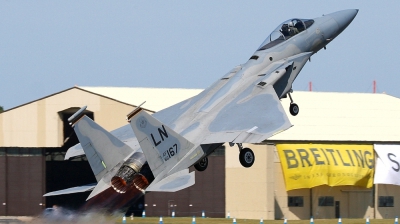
pixel 3 181
pixel 21 181
pixel 358 203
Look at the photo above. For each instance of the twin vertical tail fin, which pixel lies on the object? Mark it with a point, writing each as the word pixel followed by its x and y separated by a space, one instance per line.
pixel 166 151
pixel 104 151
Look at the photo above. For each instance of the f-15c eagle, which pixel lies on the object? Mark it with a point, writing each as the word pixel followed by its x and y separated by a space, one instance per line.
pixel 154 152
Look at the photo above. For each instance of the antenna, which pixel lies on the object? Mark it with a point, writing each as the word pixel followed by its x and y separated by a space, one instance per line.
pixel 374 84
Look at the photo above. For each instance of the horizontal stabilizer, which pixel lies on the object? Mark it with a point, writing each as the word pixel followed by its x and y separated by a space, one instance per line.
pixel 72 190
pixel 74 151
pixel 175 182
pixel 101 186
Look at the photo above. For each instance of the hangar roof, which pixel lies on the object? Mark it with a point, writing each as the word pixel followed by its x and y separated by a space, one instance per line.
pixel 324 116
pixel 327 116
pixel 156 98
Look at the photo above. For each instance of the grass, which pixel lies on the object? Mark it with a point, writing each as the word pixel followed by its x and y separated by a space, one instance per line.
pixel 187 220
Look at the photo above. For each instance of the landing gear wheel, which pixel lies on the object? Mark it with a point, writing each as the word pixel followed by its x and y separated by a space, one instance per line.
pixel 202 164
pixel 294 109
pixel 246 157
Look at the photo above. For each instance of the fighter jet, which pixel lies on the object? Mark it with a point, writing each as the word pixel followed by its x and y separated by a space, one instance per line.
pixel 154 151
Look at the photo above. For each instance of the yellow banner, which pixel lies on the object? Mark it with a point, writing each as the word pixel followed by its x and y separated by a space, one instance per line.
pixel 310 165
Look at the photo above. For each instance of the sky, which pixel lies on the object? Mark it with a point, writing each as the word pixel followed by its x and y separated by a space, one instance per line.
pixel 50 46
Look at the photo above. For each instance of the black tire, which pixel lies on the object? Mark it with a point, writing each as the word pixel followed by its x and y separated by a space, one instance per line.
pixel 246 157
pixel 294 109
pixel 201 165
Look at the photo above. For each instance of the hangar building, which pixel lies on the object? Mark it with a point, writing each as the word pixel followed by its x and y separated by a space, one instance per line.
pixel 35 136
pixel 348 119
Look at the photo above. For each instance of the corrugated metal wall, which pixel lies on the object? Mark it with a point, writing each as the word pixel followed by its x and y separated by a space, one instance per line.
pixel 207 194
pixel 2 183
pixel 22 181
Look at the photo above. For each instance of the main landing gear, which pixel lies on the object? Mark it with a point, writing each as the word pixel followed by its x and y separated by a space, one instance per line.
pixel 294 108
pixel 246 155
pixel 201 165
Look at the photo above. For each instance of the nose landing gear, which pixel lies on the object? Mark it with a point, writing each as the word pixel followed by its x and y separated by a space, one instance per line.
pixel 294 108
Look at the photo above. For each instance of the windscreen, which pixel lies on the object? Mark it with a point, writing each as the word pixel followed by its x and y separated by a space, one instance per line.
pixel 285 31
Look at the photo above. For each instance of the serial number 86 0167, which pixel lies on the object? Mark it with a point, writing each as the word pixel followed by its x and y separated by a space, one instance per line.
pixel 170 152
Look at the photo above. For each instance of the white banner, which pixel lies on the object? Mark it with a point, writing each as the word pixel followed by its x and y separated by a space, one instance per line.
pixel 387 169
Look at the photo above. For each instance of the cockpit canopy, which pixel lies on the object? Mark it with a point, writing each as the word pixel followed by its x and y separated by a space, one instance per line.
pixel 285 31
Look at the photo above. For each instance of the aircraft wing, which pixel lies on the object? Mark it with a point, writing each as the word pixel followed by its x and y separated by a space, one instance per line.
pixel 239 108
pixel 253 112
pixel 242 107
pixel 251 118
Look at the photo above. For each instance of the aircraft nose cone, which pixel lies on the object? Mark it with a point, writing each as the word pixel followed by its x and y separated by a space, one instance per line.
pixel 344 18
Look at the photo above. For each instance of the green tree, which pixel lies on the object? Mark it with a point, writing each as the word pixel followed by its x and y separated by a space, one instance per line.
pixel 1 109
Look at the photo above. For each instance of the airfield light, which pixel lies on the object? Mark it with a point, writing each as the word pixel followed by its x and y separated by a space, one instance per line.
pixel 154 205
